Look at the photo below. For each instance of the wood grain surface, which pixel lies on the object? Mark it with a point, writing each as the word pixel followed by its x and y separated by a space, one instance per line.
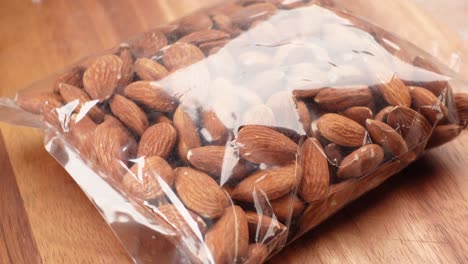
pixel 418 216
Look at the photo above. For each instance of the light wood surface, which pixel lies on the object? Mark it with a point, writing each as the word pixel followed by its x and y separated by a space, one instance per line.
pixel 418 216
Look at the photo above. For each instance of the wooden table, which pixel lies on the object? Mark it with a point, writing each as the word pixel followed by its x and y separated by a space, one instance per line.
pixel 418 216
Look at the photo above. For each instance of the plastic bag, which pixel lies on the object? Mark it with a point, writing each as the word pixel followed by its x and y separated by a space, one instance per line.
pixel 236 129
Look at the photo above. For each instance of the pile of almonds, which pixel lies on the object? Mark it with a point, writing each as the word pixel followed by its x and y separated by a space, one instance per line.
pixel 242 192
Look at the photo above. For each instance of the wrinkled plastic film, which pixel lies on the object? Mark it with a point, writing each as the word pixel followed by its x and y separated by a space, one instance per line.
pixel 235 130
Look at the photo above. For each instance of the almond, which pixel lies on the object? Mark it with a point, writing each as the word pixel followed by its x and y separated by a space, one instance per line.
pixel 73 76
pixel 129 113
pixel 272 183
pixel 203 36
pixel 151 95
pixel 245 16
pixel 209 47
pixel 180 55
pixel 336 99
pixel 386 137
pixel 127 69
pixel 194 22
pixel 382 115
pixel 218 160
pixel 228 239
pixel 395 93
pixel 101 78
pixel 149 44
pixel 187 133
pixel 314 167
pixel 304 115
pixel 35 102
pixel 209 201
pixel 71 93
pixel 82 136
pixel 334 154
pixel 306 93
pixel 158 140
pixel 315 213
pixel 361 162
pixel 259 144
pixel 114 147
pixel 257 253
pixel 172 218
pixel 216 131
pixel 359 114
pixel 341 130
pixel 224 23
pixel 428 104
pixel 461 101
pixel 263 229
pixel 413 127
pixel 142 181
pixel 443 134
pixel 149 70
pixel 287 207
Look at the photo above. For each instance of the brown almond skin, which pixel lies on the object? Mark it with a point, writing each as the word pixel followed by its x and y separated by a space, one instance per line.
pixel 151 95
pixel 361 162
pixel 287 207
pixel 218 134
pixel 202 36
pixel 129 113
pixel 142 182
pixel 428 104
pixel 382 115
pixel 341 130
pixel 257 254
pixel 304 115
pixel 306 93
pixel 259 144
pixel 169 215
pixel 461 101
pixel 413 127
pixel 113 145
pixel 73 76
pixel 101 78
pixel 188 137
pixel 71 93
pixel 214 159
pixel 315 173
pixel 149 70
pixel 337 99
pixel 273 183
pixel 81 134
pixel 395 93
pixel 180 55
pixel 149 44
pixel 210 48
pixel 228 239
pixel 36 102
pixel 200 193
pixel 158 140
pixel 245 16
pixel 194 22
pixel 334 154
pixel 359 114
pixel 263 229
pixel 443 134
pixel 386 137
pixel 127 69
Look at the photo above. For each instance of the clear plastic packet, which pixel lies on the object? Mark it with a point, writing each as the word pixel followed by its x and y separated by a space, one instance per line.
pixel 233 131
